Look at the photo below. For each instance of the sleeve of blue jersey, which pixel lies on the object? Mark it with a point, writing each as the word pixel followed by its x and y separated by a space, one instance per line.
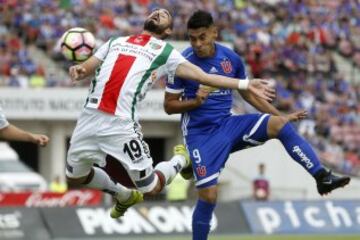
pixel 175 87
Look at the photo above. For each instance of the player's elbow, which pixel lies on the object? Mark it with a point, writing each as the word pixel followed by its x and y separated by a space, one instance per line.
pixel 168 111
pixel 168 108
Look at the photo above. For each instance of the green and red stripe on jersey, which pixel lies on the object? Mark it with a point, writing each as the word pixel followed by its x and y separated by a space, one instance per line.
pixel 118 75
pixel 158 62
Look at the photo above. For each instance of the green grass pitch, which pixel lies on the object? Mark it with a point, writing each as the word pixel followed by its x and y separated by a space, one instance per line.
pixel 274 237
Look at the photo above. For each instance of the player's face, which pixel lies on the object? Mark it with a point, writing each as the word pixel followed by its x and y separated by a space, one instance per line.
pixel 203 40
pixel 159 22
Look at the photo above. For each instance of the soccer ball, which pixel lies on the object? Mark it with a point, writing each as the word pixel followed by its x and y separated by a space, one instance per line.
pixel 77 44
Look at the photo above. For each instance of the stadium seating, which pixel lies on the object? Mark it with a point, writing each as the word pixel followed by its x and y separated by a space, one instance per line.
pixel 293 42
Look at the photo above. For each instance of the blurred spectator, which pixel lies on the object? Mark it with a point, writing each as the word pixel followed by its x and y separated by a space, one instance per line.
pixel 293 42
pixel 352 156
pixel 57 185
pixel 17 79
pixel 37 80
pixel 332 153
pixel 255 62
pixel 261 185
pixel 273 35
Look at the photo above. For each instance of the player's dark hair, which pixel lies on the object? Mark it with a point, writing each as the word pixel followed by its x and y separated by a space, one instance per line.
pixel 200 19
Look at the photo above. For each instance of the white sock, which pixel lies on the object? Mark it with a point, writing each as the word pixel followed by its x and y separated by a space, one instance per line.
pixel 170 168
pixel 101 180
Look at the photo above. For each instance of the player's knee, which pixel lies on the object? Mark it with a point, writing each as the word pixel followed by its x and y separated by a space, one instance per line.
pixel 156 190
pixel 208 194
pixel 276 123
pixel 75 182
pixel 155 184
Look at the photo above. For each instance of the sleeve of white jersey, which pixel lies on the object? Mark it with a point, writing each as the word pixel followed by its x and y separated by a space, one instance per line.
pixel 3 122
pixel 103 50
pixel 174 60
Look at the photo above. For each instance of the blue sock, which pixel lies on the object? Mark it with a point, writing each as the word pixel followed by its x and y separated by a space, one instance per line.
pixel 299 149
pixel 201 219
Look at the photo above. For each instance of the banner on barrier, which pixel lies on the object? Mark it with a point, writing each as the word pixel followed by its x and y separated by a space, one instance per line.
pixel 157 218
pixel 22 223
pixel 67 103
pixel 83 197
pixel 303 216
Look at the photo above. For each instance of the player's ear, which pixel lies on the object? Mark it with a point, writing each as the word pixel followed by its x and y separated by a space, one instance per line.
pixel 168 31
pixel 214 31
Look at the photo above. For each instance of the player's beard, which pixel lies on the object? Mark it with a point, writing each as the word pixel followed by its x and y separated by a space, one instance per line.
pixel 151 26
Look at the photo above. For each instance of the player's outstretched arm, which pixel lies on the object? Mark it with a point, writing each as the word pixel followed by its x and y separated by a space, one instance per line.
pixel 258 87
pixel 85 69
pixel 266 107
pixel 259 104
pixel 13 133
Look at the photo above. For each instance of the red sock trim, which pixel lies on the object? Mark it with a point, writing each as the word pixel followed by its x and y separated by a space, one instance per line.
pixel 161 179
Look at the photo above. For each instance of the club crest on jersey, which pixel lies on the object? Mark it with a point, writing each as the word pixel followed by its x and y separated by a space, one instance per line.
pixel 226 66
pixel 138 39
pixel 201 171
pixel 154 45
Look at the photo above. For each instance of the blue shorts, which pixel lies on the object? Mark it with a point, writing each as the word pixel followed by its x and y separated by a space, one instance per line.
pixel 209 152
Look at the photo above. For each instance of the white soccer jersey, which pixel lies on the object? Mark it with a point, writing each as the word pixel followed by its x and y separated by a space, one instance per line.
pixel 130 66
pixel 3 121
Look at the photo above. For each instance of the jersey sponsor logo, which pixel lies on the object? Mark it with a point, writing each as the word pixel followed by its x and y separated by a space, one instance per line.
pixel 201 171
pixel 145 220
pixel 154 45
pixel 130 48
pixel 304 158
pixel 49 199
pixel 209 88
pixel 10 221
pixel 226 66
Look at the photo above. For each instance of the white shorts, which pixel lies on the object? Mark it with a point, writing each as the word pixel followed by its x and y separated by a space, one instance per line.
pixel 98 134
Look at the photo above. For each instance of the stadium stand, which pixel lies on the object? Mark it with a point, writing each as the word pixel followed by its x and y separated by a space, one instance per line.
pixel 310 48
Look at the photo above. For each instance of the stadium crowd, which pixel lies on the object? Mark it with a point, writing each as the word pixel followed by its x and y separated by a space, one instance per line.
pixel 291 41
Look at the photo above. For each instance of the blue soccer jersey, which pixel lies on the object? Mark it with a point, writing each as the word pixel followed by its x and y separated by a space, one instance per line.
pixel 211 132
pixel 219 102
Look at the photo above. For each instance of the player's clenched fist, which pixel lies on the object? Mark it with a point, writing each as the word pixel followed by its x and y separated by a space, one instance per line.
pixel 40 139
pixel 202 93
pixel 77 72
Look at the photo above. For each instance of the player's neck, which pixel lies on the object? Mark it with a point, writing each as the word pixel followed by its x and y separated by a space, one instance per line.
pixel 151 34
